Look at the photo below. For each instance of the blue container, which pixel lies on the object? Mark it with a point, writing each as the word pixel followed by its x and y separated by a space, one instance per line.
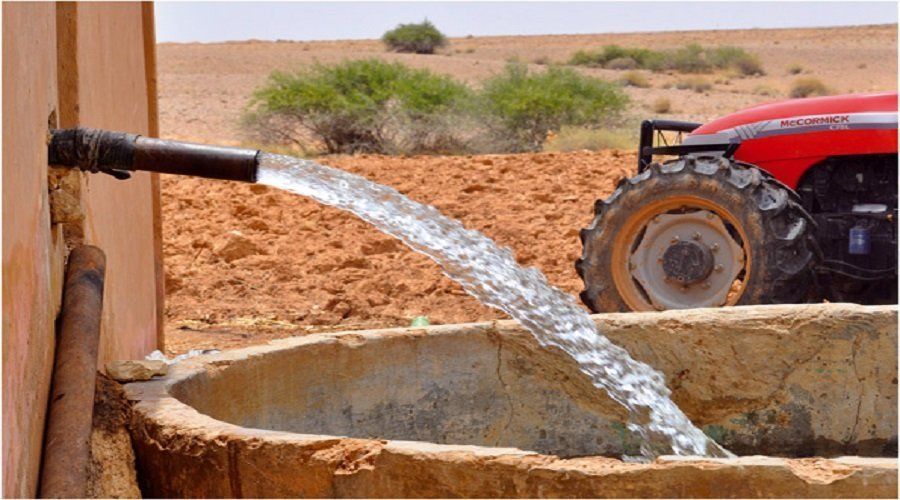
pixel 860 244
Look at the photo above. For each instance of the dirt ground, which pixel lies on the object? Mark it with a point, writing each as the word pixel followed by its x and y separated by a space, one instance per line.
pixel 204 87
pixel 245 264
pixel 246 258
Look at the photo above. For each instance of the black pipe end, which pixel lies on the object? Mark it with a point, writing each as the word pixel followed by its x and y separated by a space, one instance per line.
pixel 92 150
pixel 116 153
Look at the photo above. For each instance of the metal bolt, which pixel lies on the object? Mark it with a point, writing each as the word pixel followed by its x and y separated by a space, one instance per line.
pixel 714 247
pixel 709 215
pixel 719 268
pixel 675 239
pixel 660 260
pixel 695 236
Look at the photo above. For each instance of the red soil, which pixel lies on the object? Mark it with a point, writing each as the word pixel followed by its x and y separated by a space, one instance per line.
pixel 245 263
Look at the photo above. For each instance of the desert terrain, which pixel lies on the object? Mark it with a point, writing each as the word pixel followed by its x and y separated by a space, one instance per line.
pixel 245 264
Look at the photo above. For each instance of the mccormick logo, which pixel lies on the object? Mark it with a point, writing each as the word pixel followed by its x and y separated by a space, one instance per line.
pixel 815 120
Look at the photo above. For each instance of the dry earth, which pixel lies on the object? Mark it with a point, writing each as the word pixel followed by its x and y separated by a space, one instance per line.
pixel 204 87
pixel 247 263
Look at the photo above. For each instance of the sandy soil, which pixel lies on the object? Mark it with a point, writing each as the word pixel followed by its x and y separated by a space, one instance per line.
pixel 274 264
pixel 204 87
pixel 246 263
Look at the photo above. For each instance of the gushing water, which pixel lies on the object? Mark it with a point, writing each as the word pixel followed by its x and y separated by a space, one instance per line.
pixel 492 276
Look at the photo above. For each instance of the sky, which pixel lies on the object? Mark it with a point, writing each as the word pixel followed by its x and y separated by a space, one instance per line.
pixel 221 21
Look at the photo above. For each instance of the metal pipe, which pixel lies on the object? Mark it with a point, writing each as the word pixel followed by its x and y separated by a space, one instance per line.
pixel 117 153
pixel 67 441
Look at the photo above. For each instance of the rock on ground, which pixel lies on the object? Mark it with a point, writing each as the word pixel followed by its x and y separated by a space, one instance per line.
pixel 133 370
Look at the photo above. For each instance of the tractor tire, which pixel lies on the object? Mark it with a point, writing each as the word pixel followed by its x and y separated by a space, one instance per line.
pixel 770 259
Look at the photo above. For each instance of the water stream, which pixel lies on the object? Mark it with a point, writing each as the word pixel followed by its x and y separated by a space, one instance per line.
pixel 491 275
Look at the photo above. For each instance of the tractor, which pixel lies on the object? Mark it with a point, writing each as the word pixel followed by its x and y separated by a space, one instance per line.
pixel 786 202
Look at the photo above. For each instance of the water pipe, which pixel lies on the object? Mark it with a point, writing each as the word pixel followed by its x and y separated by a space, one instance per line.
pixel 119 153
pixel 67 439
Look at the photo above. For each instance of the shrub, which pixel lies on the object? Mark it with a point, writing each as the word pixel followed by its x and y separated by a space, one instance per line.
pixel 604 57
pixel 622 63
pixel 697 84
pixel 749 66
pixel 526 105
pixel 634 79
pixel 580 138
pixel 688 59
pixel 764 90
pixel 808 87
pixel 586 58
pixel 352 106
pixel 795 69
pixel 736 58
pixel 662 105
pixel 418 38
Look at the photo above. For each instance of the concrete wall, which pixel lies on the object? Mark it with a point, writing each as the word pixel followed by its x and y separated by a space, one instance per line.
pixel 798 381
pixel 420 412
pixel 63 65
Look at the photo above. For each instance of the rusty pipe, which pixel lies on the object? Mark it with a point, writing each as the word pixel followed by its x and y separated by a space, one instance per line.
pixel 67 440
pixel 118 153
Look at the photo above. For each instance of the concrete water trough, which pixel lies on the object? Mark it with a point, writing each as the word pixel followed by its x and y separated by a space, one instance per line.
pixel 481 410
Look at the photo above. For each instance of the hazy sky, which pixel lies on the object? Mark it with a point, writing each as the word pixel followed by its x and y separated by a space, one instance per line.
pixel 218 21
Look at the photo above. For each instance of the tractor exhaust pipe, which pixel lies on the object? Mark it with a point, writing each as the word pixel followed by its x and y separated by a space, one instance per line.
pixel 119 153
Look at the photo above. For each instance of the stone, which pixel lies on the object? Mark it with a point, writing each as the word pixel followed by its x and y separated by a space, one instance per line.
pixel 234 246
pixel 135 370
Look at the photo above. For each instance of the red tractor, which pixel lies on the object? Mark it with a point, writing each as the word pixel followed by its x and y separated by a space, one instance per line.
pixel 780 203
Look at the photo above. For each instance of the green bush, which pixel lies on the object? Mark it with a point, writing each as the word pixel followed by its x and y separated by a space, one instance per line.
pixel 380 107
pixel 691 58
pixel 688 59
pixel 586 58
pixel 418 38
pixel 606 56
pixel 727 57
pixel 526 105
pixel 808 87
pixel 351 106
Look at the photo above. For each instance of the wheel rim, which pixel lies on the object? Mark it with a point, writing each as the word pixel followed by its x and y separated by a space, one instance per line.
pixel 681 252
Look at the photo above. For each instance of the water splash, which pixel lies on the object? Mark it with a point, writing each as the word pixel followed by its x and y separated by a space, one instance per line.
pixel 491 275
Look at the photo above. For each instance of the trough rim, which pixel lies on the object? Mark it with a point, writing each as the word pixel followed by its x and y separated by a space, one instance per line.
pixel 154 401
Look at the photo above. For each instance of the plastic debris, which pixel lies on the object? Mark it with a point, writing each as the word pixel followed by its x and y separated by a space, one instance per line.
pixel 157 355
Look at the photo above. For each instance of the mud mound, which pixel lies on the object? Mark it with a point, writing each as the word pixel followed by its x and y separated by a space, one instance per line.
pixel 254 259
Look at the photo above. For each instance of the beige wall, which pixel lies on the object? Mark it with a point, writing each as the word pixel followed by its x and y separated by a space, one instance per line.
pixel 65 65
pixel 31 263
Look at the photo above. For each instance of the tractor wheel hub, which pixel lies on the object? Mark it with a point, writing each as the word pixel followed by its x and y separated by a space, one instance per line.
pixel 687 259
pixel 687 262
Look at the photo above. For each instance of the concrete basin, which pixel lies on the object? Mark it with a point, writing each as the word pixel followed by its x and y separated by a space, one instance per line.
pixel 482 410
